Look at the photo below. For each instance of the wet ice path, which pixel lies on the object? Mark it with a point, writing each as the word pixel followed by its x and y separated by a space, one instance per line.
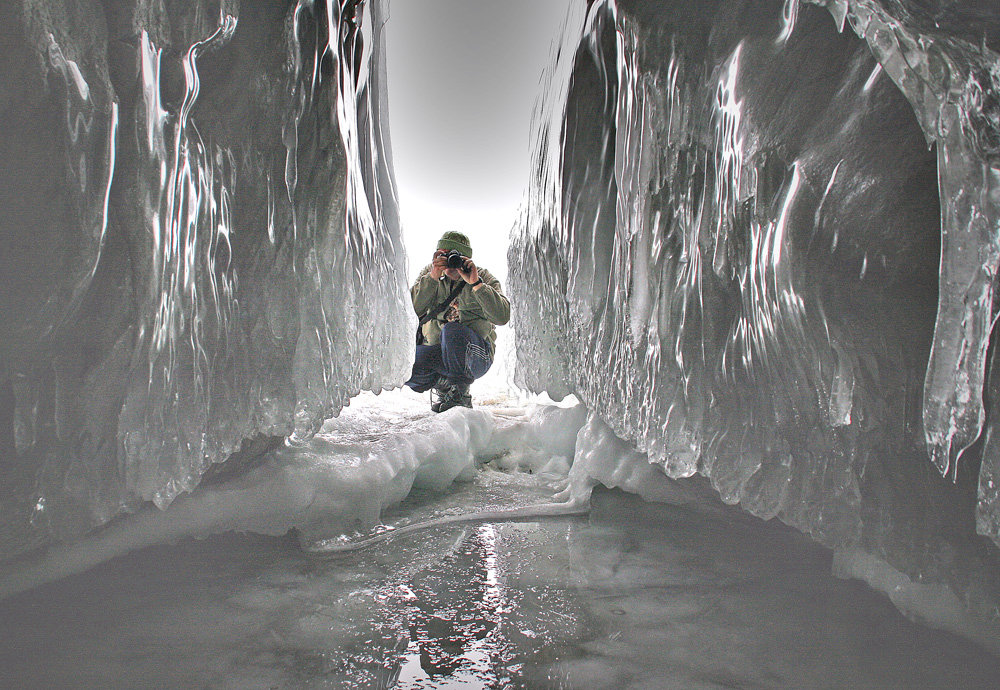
pixel 633 595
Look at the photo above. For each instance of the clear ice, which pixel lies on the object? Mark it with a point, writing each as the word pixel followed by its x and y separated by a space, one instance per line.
pixel 223 258
pixel 729 253
pixel 760 244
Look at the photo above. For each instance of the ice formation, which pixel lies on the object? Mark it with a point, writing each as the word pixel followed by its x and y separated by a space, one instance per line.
pixel 201 246
pixel 729 253
pixel 760 245
pixel 334 488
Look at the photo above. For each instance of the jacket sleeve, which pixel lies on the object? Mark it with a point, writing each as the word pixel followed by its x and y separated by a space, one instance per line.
pixel 426 292
pixel 495 304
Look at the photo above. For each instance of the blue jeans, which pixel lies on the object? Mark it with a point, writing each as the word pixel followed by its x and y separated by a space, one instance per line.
pixel 461 357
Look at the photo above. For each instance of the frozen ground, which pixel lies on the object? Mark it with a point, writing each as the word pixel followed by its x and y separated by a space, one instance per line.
pixel 634 595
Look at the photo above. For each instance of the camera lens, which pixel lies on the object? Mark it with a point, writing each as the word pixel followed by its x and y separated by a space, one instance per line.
pixel 455 259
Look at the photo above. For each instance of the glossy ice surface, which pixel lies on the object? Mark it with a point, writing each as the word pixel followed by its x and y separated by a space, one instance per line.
pixel 635 595
pixel 761 243
pixel 201 245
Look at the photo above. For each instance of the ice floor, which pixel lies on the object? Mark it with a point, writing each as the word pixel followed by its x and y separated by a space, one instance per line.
pixel 635 595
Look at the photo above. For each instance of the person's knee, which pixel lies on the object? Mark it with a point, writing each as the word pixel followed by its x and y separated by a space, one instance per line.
pixel 478 359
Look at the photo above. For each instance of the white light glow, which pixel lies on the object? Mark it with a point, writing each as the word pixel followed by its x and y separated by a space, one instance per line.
pixel 463 79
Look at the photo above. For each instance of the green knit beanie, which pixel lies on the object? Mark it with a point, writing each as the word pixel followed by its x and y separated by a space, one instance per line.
pixel 457 241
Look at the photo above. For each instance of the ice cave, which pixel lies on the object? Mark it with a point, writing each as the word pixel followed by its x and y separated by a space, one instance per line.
pixel 749 438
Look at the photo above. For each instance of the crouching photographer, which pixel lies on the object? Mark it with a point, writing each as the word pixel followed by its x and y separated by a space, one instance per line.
pixel 459 305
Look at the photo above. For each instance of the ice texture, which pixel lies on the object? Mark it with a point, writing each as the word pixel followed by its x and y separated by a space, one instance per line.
pixel 201 244
pixel 952 87
pixel 740 253
pixel 760 244
pixel 336 487
pixel 637 595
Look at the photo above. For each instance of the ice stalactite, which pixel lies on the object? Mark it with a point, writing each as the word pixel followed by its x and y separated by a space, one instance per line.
pixel 198 311
pixel 91 137
pixel 190 288
pixel 952 87
pixel 730 249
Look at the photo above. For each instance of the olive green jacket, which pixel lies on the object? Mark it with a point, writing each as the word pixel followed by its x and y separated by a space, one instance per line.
pixel 481 310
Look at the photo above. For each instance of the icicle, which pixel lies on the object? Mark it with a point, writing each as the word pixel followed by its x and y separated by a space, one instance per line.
pixel 91 163
pixel 841 390
pixel 729 165
pixel 872 78
pixel 789 15
pixel 191 288
pixel 970 253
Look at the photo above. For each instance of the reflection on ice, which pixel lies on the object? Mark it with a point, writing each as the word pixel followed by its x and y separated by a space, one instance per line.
pixel 635 595
pixel 452 612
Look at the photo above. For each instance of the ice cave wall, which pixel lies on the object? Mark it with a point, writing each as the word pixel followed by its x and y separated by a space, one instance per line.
pixel 761 244
pixel 201 245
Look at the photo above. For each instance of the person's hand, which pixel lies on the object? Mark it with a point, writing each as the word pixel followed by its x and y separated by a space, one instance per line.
pixel 439 264
pixel 469 272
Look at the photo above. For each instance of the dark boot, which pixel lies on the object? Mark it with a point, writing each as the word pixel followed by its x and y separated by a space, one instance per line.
pixel 440 393
pixel 458 396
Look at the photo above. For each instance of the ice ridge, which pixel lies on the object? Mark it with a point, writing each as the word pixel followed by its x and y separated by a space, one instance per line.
pixel 335 488
pixel 730 249
pixel 205 247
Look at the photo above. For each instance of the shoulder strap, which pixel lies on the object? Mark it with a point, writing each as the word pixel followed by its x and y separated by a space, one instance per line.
pixel 441 307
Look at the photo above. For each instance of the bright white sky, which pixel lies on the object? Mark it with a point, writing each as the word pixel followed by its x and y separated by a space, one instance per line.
pixel 463 76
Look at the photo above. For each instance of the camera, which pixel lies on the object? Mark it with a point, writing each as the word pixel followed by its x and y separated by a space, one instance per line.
pixel 456 260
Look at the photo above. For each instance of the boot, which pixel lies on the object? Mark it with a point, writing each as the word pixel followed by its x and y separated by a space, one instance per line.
pixel 458 396
pixel 439 393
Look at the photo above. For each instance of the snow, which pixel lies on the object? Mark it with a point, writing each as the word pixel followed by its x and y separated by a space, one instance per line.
pixel 337 485
pixel 388 471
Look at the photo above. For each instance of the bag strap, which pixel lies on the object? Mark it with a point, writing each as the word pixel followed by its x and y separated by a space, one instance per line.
pixel 439 308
